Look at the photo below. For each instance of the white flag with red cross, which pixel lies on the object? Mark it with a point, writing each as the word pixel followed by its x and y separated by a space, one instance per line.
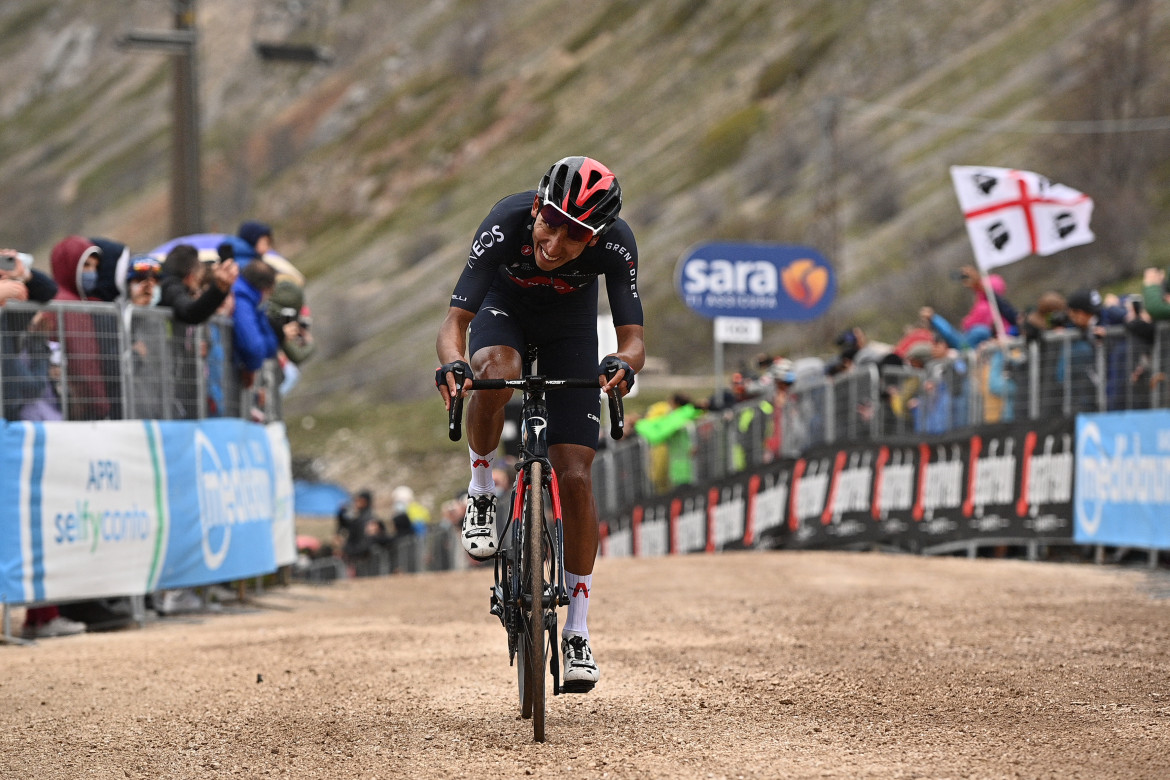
pixel 1012 214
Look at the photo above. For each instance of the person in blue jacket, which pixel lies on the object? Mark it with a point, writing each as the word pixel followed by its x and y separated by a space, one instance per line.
pixel 253 339
pixel 251 241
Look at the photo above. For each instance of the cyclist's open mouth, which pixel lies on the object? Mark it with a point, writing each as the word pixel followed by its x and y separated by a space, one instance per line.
pixel 544 261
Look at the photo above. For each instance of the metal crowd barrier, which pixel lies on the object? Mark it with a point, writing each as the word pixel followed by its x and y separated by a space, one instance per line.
pixel 1060 374
pixel 99 361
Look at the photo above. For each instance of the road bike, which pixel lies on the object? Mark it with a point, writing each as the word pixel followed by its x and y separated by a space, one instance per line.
pixel 529 567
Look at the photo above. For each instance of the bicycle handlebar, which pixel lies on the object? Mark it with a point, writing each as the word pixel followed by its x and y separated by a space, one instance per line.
pixel 617 414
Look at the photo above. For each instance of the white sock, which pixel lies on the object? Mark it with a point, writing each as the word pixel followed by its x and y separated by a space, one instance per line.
pixel 579 587
pixel 481 474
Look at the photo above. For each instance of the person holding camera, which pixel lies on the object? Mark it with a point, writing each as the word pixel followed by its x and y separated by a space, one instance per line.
pixel 181 283
pixel 19 281
pixel 286 307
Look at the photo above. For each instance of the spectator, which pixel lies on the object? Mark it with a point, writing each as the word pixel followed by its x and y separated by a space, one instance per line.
pixel 21 352
pixel 419 516
pixel 182 285
pixel 47 406
pixel 787 428
pixel 1051 311
pixel 253 339
pixel 74 262
pixel 352 520
pixel 981 314
pixel 287 314
pixel 904 397
pixel 192 303
pixel 672 430
pixel 112 265
pixel 1156 294
pixel 402 543
pixel 1077 364
pixel 858 349
pixel 146 337
pixel 215 362
pixel 943 403
pixel 968 338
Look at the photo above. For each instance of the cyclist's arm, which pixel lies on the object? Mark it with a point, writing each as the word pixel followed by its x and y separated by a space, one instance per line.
pixel 632 349
pixel 451 345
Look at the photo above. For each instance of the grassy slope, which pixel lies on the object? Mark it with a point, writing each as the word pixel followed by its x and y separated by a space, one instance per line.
pixel 377 170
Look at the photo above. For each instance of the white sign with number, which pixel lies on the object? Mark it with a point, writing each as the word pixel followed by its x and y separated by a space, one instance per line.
pixel 739 330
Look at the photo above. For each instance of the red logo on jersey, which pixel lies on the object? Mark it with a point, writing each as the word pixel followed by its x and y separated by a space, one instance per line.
pixel 480 462
pixel 526 250
pixel 582 589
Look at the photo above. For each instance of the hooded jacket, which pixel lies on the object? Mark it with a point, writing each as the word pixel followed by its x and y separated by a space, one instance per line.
pixel 88 399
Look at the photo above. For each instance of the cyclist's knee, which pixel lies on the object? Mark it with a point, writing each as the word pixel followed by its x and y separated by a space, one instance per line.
pixel 497 362
pixel 575 478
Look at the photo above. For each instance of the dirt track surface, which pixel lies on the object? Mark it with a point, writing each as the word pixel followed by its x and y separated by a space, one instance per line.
pixel 740 665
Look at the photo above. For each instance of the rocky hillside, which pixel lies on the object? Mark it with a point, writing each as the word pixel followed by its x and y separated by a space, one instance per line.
pixel 826 122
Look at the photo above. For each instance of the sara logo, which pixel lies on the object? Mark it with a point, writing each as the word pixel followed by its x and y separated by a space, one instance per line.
pixel 805 281
pixel 230 493
pixel 764 281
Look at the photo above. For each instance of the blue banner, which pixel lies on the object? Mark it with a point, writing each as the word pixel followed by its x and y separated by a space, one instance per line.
pixel 1123 479
pixel 220 494
pixel 765 281
pixel 11 557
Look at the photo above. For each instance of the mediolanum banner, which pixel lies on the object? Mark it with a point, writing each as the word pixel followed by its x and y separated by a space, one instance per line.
pixel 1123 479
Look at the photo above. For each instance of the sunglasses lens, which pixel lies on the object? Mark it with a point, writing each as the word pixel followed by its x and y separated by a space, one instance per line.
pixel 555 218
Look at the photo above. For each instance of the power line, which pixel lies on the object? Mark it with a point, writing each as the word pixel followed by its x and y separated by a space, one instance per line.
pixel 1025 126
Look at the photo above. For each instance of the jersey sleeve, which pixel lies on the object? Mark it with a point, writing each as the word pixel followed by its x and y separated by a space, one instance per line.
pixel 621 275
pixel 488 250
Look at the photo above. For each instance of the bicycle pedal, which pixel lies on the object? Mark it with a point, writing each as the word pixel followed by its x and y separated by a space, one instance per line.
pixel 577 686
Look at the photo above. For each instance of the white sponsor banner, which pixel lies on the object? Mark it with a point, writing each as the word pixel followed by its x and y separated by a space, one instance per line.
pixel 284 532
pixel 92 520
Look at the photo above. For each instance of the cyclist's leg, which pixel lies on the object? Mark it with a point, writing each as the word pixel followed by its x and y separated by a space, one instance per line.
pixel 495 345
pixel 574 423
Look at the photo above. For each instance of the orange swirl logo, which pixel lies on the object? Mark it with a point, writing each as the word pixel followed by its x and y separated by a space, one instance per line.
pixel 805 281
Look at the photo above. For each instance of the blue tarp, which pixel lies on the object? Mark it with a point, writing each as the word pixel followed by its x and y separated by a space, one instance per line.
pixel 318 498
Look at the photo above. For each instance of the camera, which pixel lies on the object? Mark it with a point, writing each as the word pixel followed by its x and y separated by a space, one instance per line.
pixel 8 261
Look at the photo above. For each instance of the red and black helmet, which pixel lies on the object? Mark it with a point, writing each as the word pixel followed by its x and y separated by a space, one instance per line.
pixel 584 189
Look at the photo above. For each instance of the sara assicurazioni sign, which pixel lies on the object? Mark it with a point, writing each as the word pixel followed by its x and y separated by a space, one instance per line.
pixel 767 281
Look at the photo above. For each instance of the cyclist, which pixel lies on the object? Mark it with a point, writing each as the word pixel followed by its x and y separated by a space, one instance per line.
pixel 531 278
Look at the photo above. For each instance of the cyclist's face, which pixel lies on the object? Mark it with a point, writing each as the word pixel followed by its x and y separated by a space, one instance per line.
pixel 551 246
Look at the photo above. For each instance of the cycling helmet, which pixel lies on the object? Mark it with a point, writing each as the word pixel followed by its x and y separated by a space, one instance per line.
pixel 584 189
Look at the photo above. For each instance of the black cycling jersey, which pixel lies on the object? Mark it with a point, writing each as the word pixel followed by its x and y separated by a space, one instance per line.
pixel 501 258
pixel 517 304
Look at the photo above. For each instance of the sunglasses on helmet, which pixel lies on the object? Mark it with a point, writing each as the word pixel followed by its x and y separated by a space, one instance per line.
pixel 554 218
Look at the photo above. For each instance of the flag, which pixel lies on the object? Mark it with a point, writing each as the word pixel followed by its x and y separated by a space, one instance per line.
pixel 1012 214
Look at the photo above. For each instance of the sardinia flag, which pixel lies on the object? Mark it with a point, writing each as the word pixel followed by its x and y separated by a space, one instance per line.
pixel 1012 214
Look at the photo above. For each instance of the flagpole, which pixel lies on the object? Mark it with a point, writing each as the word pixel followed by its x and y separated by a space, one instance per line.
pixel 996 317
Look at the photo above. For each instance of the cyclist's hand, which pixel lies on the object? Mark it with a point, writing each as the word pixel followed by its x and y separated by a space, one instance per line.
pixel 615 372
pixel 453 379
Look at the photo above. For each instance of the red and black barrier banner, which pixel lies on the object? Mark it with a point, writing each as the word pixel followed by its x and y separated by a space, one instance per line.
pixel 1012 481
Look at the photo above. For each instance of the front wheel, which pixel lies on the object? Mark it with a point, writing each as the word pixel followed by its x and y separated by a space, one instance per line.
pixel 532 573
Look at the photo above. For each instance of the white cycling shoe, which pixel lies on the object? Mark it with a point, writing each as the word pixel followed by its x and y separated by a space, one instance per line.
pixel 479 527
pixel 580 670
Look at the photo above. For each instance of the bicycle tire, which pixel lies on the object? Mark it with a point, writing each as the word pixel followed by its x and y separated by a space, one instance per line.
pixel 533 569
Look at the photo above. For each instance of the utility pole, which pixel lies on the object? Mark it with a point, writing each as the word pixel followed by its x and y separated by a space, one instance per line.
pixel 826 202
pixel 181 45
pixel 186 189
